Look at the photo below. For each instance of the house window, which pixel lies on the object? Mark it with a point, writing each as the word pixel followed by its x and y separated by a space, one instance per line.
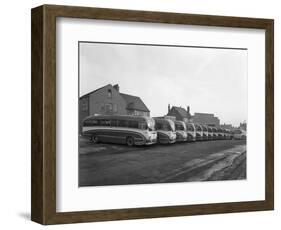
pixel 109 93
pixel 102 107
pixel 115 108
pixel 108 108
pixel 85 106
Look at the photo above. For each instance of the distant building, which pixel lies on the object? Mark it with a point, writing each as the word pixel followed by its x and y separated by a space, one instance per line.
pixel 227 126
pixel 108 100
pixel 179 113
pixel 206 119
pixel 243 126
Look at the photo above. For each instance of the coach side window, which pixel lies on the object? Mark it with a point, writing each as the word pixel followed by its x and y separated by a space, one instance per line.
pixel 133 124
pixel 114 123
pixel 142 125
pixel 91 122
pixel 123 123
pixel 104 122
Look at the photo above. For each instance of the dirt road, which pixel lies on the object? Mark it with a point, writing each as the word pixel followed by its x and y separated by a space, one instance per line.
pixel 107 164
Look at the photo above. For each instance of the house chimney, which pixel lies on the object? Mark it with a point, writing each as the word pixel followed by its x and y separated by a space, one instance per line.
pixel 188 109
pixel 116 87
pixel 169 108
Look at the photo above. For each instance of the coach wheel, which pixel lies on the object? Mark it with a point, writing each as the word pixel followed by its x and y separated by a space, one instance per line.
pixel 94 139
pixel 130 141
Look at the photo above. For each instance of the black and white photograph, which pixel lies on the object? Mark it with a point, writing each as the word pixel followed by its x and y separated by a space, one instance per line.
pixel 161 113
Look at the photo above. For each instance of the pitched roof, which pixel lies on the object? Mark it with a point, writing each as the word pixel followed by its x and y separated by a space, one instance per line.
pixel 134 102
pixel 87 94
pixel 182 112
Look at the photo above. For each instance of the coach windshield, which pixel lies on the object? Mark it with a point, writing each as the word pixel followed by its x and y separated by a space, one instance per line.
pixel 198 128
pixel 180 126
pixel 171 126
pixel 150 124
pixel 190 127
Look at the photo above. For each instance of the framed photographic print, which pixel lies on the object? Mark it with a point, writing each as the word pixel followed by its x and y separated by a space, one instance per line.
pixel 139 114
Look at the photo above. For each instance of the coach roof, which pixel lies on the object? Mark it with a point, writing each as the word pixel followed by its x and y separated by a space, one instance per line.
pixel 118 117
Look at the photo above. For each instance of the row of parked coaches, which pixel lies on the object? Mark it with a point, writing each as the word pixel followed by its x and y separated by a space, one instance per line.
pixel 141 130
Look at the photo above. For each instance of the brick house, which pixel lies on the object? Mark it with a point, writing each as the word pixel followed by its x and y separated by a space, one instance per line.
pixel 179 113
pixel 206 119
pixel 108 100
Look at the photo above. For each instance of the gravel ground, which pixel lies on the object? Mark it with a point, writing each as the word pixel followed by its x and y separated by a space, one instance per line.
pixel 236 171
pixel 109 164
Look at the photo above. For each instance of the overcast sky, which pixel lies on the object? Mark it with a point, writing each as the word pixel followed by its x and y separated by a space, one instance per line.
pixel 210 80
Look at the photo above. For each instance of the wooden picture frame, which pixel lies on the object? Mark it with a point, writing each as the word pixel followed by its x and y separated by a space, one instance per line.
pixel 43 205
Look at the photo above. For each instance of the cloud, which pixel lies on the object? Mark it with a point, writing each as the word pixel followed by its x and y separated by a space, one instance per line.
pixel 209 80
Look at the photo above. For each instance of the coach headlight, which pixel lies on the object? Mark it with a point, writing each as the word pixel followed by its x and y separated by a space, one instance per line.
pixel 172 136
pixel 151 136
